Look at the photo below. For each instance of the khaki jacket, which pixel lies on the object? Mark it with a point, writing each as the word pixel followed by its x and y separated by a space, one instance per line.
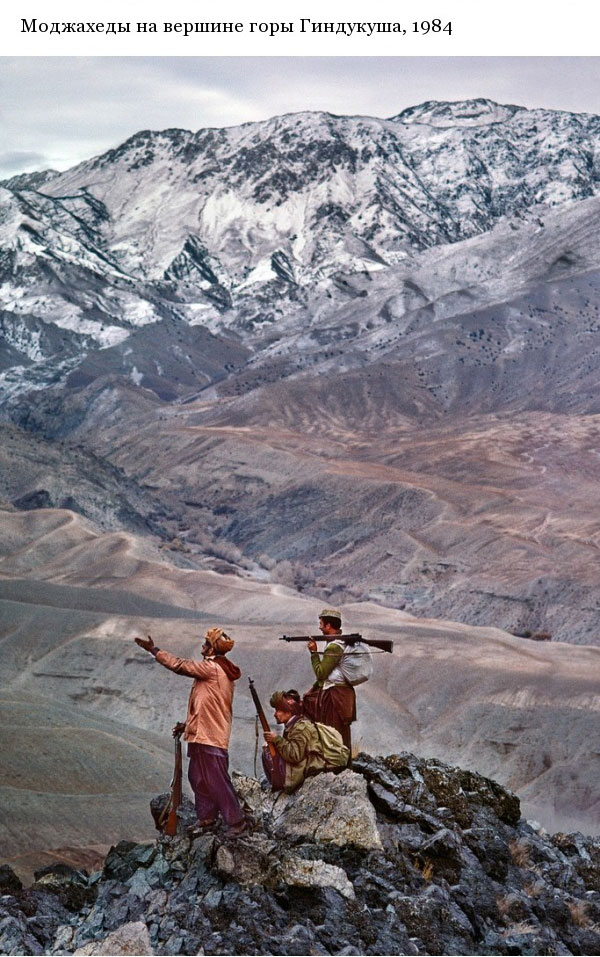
pixel 301 750
pixel 210 705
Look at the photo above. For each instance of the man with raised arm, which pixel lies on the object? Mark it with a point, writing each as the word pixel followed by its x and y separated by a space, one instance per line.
pixel 332 699
pixel 208 726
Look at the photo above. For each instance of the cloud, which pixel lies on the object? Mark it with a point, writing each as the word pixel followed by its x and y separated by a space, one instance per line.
pixel 21 161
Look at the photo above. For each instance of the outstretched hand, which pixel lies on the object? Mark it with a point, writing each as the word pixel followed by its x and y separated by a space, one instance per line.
pixel 146 643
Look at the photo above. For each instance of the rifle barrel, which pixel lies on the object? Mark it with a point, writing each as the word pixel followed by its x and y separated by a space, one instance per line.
pixel 353 637
pixel 383 644
pixel 261 715
pixel 171 825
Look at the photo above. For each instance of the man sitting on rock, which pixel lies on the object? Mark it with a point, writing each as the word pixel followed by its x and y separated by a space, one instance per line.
pixel 208 726
pixel 304 749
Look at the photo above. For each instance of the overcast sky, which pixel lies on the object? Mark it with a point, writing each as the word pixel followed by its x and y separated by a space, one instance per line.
pixel 56 111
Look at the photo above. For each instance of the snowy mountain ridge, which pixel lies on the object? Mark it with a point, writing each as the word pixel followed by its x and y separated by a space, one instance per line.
pixel 247 228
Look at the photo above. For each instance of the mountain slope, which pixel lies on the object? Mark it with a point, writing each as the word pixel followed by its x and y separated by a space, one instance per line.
pixel 355 355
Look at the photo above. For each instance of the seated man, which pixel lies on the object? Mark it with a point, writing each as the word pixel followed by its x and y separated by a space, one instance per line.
pixel 304 749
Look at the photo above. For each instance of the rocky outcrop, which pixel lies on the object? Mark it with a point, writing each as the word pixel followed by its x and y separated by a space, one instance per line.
pixel 131 938
pixel 333 810
pixel 435 860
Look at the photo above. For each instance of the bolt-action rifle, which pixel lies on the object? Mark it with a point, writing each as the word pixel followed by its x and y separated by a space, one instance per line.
pixel 384 644
pixel 175 799
pixel 261 714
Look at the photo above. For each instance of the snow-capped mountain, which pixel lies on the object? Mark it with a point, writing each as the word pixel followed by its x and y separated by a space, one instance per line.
pixel 306 194
pixel 247 228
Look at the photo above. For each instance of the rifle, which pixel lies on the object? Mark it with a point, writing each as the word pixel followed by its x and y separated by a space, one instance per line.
pixel 261 714
pixel 384 644
pixel 175 799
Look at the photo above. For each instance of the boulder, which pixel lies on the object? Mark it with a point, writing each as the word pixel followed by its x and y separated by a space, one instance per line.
pixel 9 882
pixel 256 861
pixel 16 936
pixel 430 786
pixel 123 860
pixel 328 809
pixel 252 860
pixel 130 939
pixel 255 799
pixel 186 812
pixel 70 885
pixel 301 873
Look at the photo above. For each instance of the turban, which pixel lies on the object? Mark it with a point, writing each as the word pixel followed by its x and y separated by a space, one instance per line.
pixel 286 701
pixel 219 641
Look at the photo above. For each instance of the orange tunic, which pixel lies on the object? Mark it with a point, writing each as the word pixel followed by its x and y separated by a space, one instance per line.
pixel 210 705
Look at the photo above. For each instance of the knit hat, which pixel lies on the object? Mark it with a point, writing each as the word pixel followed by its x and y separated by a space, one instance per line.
pixel 220 642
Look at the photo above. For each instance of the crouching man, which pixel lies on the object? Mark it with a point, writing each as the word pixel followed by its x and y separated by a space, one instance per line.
pixel 208 726
pixel 304 749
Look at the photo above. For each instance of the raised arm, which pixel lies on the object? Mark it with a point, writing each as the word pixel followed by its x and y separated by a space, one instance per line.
pixel 184 666
pixel 181 666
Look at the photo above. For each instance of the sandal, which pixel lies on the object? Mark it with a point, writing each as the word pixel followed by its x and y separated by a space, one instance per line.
pixel 200 827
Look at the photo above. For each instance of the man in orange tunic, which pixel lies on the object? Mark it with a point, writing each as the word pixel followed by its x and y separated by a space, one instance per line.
pixel 208 726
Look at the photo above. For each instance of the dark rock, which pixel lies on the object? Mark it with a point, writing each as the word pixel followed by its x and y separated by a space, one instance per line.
pixel 490 850
pixel 123 860
pixel 16 936
pixel 9 882
pixel 186 812
pixel 487 793
pixel 584 855
pixel 70 885
pixel 443 872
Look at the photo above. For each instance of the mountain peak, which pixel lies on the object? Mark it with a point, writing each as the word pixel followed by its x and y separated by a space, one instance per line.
pixel 478 112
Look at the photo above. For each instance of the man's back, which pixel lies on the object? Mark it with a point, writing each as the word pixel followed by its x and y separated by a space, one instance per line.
pixel 304 747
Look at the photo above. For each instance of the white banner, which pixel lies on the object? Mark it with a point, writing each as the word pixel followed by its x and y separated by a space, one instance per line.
pixel 267 28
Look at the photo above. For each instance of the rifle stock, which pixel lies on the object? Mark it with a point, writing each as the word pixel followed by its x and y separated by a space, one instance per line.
pixel 384 644
pixel 261 715
pixel 171 825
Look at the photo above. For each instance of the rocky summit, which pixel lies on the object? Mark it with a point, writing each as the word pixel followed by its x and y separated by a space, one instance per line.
pixel 400 855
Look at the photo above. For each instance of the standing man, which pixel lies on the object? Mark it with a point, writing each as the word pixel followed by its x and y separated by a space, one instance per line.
pixel 208 726
pixel 332 699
